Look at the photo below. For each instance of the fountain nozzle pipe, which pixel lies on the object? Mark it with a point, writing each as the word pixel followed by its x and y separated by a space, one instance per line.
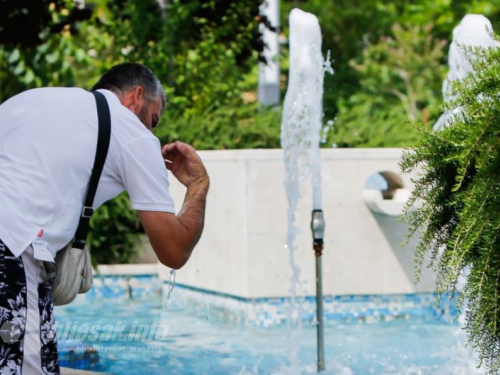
pixel 318 232
pixel 318 227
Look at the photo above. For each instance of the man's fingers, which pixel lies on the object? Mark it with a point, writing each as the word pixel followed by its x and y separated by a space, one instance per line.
pixel 168 148
pixel 179 153
pixel 170 151
pixel 181 147
pixel 187 151
pixel 178 145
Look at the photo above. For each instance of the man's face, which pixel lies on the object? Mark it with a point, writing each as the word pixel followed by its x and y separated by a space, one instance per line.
pixel 149 112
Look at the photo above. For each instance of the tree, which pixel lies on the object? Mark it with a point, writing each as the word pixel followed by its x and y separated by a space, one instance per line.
pixel 36 47
pixel 199 49
pixel 349 26
pixel 400 80
pixel 37 18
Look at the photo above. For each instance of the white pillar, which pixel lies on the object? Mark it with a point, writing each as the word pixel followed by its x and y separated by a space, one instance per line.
pixel 269 75
pixel 80 4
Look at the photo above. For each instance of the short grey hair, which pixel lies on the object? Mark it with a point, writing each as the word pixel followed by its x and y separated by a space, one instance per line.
pixel 123 77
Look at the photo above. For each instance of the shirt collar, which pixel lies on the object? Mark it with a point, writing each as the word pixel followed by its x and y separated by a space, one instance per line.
pixel 110 95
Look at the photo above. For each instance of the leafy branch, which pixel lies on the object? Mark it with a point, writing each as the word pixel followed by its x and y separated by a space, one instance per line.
pixel 455 206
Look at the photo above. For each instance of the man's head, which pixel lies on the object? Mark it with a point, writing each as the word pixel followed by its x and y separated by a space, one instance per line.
pixel 138 89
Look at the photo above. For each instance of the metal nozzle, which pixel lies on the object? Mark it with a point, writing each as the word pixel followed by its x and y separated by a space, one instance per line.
pixel 318 225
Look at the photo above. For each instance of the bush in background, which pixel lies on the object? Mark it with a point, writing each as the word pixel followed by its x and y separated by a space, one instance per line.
pixel 113 230
pixel 228 127
pixel 400 80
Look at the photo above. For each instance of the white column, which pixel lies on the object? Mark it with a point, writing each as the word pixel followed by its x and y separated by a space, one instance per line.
pixel 80 4
pixel 269 75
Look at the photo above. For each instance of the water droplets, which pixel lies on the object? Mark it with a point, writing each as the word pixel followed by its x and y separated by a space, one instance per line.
pixel 327 64
pixel 327 128
pixel 170 288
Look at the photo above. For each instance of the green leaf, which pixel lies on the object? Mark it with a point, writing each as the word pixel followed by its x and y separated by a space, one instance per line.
pixel 14 56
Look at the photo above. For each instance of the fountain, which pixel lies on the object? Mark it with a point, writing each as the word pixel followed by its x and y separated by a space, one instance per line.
pixel 473 31
pixel 300 139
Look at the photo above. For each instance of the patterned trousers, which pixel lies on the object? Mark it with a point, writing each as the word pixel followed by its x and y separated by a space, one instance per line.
pixel 28 342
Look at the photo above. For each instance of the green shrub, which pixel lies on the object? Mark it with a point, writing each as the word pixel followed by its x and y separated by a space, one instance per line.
pixel 400 81
pixel 239 127
pixel 364 123
pixel 455 206
pixel 113 230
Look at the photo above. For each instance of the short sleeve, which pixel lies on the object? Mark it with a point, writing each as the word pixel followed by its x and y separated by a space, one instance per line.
pixel 144 175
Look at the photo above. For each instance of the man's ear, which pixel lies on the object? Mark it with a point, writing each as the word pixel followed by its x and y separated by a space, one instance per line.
pixel 138 93
pixel 132 98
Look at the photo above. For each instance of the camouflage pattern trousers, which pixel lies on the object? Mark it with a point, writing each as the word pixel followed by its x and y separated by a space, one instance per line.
pixel 28 342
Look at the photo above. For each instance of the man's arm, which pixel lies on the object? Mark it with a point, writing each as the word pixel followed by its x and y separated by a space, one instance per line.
pixel 173 237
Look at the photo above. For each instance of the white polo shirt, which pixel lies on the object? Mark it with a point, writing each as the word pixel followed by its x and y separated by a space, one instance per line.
pixel 48 140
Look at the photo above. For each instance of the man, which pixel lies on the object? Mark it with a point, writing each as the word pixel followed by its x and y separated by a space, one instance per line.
pixel 48 139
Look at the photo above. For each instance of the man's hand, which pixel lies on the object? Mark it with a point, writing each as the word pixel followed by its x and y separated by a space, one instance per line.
pixel 186 165
pixel 173 237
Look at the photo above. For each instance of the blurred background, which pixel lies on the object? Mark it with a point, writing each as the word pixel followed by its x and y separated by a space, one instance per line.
pixel 390 59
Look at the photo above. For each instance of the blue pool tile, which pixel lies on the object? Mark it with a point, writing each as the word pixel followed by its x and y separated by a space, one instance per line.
pixel 266 312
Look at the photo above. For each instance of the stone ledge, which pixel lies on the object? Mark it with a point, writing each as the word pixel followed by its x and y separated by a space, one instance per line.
pixel 72 371
pixel 326 153
pixel 129 269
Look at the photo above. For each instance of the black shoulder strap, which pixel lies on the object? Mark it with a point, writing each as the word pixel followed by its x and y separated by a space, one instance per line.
pixel 100 157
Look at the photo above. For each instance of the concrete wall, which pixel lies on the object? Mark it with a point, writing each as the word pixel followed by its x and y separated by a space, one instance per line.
pixel 242 249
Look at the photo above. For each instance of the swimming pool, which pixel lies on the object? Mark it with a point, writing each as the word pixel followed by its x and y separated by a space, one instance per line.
pixel 191 342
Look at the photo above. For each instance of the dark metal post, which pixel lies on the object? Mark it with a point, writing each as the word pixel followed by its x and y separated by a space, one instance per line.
pixel 318 229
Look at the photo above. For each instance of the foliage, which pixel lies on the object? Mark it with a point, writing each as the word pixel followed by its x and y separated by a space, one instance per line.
pixel 44 55
pixel 364 123
pixel 406 67
pixel 455 204
pixel 200 49
pixel 346 27
pixel 37 19
pixel 349 26
pixel 226 128
pixel 223 44
pixel 113 230
pixel 400 80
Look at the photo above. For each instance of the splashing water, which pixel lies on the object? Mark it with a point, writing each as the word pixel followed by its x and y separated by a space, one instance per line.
pixel 473 31
pixel 300 139
pixel 171 285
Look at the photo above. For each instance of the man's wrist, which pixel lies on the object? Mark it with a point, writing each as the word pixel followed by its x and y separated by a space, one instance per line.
pixel 195 200
pixel 200 185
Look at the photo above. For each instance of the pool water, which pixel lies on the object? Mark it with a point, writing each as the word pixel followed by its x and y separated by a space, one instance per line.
pixel 192 343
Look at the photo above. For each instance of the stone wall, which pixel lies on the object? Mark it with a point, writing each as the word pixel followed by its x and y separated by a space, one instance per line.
pixel 242 250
